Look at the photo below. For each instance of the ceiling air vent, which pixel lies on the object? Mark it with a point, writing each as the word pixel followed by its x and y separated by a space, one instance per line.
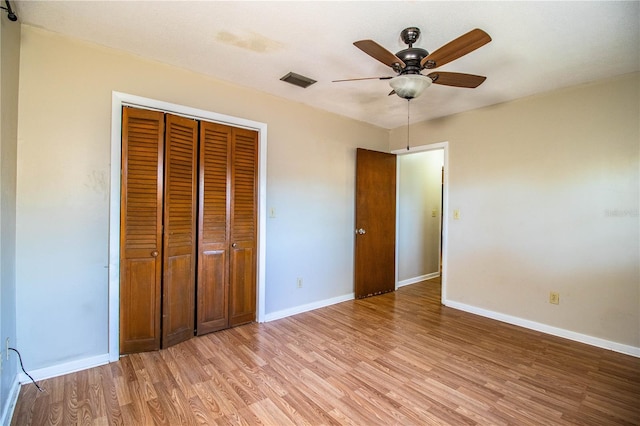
pixel 298 80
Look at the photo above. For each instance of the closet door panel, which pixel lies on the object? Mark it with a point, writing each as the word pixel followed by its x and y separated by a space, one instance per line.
pixel 141 229
pixel 213 228
pixel 178 293
pixel 244 194
pixel 140 331
pixel 213 311
pixel 177 319
pixel 243 289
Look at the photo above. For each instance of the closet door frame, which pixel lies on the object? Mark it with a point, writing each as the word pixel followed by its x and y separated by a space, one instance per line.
pixel 123 99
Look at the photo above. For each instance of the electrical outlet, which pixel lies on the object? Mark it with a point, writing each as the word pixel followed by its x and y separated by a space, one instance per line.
pixel 299 283
pixel 456 214
pixel 554 297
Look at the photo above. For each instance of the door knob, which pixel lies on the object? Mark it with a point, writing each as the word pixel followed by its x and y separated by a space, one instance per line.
pixel 234 245
pixel 154 253
pixel 360 231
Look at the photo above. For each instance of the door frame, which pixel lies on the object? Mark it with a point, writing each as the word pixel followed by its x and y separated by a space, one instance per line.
pixel 444 231
pixel 118 100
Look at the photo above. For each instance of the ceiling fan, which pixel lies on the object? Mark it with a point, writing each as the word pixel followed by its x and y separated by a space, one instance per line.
pixel 408 63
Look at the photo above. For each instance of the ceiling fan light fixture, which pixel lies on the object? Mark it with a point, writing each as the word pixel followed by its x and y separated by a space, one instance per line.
pixel 409 86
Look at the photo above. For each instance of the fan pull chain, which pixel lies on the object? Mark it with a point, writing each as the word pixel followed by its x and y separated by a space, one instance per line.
pixel 408 112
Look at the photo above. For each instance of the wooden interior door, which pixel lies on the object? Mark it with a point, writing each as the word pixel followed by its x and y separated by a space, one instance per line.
pixel 375 223
pixel 243 226
pixel 178 283
pixel 141 229
pixel 213 228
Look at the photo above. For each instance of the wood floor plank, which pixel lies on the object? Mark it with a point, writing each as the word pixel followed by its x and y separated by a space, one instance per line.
pixel 310 411
pixel 398 358
pixel 269 413
pixel 70 407
pixel 276 402
pixel 214 403
pixel 175 405
pixel 137 410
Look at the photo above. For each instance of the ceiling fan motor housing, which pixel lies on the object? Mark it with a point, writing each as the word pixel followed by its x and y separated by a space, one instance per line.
pixel 412 57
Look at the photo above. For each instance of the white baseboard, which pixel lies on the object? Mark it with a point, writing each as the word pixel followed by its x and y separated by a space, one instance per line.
pixel 308 307
pixel 418 279
pixel 7 413
pixel 328 302
pixel 544 328
pixel 66 368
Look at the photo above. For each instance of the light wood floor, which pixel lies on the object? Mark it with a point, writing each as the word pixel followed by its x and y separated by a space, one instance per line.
pixel 398 358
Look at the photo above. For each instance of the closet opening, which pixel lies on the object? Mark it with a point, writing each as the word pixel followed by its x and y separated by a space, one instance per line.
pixel 207 191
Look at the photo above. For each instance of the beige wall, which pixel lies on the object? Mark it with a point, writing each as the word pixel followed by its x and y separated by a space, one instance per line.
pixel 63 182
pixel 547 189
pixel 9 68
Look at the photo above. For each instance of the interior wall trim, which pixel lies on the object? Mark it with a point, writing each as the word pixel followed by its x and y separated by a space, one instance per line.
pixel 308 307
pixel 118 100
pixel 64 368
pixel 12 399
pixel 418 279
pixel 547 329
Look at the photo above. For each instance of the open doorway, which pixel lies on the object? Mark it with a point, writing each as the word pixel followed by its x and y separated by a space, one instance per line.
pixel 421 218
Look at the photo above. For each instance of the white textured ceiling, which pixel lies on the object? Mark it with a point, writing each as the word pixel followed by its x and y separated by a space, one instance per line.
pixel 536 47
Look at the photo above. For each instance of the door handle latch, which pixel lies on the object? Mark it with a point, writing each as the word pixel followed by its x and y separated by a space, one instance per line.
pixel 360 231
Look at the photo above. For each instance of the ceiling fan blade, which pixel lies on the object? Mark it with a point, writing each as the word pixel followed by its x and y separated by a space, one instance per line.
pixel 453 50
pixel 364 78
pixel 457 79
pixel 378 52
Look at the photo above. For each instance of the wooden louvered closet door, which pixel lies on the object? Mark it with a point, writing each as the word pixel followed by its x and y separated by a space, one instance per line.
pixel 244 195
pixel 227 227
pixel 141 229
pixel 188 214
pixel 213 228
pixel 179 260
